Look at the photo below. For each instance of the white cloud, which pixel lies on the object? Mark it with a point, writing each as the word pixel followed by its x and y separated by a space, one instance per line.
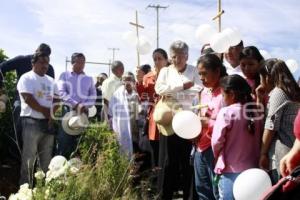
pixel 92 26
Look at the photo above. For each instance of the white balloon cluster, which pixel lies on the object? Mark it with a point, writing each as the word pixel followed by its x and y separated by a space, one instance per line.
pixel 219 42
pixel 142 44
pixel 59 166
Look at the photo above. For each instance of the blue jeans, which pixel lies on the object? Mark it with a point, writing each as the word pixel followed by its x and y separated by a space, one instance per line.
pixel 37 145
pixel 226 185
pixel 204 175
pixel 66 144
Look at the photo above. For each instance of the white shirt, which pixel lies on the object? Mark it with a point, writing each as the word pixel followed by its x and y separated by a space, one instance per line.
pixel 41 88
pixel 170 82
pixel 109 86
pixel 233 70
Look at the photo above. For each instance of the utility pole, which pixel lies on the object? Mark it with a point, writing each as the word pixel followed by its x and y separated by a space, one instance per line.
pixel 157 7
pixel 113 50
pixel 219 15
pixel 137 26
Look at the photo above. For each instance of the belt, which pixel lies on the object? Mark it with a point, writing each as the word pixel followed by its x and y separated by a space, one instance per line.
pixel 26 117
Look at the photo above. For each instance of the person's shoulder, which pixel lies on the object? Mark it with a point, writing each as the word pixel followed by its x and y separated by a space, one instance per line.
pixel 28 76
pixel 49 78
pixel 278 92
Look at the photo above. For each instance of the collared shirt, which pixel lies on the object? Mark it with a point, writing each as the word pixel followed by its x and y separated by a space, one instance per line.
pixel 76 88
pixel 110 85
pixel 214 102
pixel 170 83
pixel 233 70
pixel 235 149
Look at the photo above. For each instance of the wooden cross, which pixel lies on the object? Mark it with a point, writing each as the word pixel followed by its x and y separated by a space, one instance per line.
pixel 219 15
pixel 137 26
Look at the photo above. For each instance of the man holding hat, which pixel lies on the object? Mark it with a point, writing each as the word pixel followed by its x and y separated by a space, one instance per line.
pixel 177 85
pixel 78 93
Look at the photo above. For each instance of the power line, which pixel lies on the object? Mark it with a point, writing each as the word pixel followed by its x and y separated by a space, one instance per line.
pixel 113 50
pixel 157 7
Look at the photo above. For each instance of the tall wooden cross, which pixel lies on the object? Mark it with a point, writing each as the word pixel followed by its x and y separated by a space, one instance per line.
pixel 219 15
pixel 137 26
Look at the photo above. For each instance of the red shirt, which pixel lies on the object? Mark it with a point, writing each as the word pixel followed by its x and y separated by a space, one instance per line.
pixel 147 92
pixel 214 101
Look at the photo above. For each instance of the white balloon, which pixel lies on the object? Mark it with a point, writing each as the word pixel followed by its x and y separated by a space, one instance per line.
pixel 56 163
pixel 251 184
pixel 205 32
pixel 265 54
pixel 234 36
pixel 220 42
pixel 186 124
pixel 143 46
pixel 292 65
pixel 130 37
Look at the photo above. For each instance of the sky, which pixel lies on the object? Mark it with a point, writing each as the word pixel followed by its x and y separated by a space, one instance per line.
pixel 93 26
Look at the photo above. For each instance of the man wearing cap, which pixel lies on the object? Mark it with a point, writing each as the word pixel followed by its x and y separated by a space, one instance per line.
pixel 78 93
pixel 177 85
pixel 22 64
pixel 123 110
pixel 111 84
pixel 36 91
pixel 232 60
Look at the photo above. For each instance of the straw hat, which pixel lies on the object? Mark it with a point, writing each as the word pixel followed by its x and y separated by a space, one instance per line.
pixel 74 124
pixel 163 114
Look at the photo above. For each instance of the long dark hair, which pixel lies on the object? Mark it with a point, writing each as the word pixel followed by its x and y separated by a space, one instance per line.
pixel 212 62
pixel 242 92
pixel 281 77
pixel 252 52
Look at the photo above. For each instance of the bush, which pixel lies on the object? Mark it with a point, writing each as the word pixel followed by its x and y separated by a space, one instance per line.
pixel 104 175
pixel 6 119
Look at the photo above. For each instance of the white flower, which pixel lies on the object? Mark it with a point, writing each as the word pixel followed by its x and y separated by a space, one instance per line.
pixel 39 175
pixel 24 193
pixel 53 174
pixel 47 192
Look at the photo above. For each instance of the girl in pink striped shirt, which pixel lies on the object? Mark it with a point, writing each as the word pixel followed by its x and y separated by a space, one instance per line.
pixel 236 134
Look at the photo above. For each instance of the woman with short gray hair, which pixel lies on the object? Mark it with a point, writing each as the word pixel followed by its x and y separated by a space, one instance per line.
pixel 179 82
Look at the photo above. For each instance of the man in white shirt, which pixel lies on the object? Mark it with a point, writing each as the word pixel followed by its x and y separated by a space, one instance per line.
pixel 182 82
pixel 36 90
pixel 110 85
pixel 232 60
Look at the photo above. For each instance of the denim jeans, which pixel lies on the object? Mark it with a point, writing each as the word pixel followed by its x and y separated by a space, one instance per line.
pixel 204 175
pixel 37 144
pixel 66 144
pixel 226 185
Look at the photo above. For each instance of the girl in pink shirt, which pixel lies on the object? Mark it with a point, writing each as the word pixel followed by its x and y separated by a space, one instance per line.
pixel 236 134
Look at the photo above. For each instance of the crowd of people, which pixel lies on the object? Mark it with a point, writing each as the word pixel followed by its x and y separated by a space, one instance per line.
pixel 247 106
